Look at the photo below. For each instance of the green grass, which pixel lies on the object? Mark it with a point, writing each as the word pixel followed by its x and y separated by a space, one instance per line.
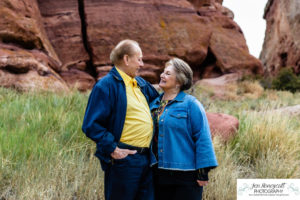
pixel 44 154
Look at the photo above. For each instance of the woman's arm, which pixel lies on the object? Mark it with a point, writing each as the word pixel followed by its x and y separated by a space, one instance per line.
pixel 205 155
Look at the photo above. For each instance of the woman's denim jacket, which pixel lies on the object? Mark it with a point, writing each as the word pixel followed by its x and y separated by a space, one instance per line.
pixel 184 139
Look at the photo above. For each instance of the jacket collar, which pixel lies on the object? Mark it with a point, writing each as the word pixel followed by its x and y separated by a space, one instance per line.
pixel 115 74
pixel 118 77
pixel 180 97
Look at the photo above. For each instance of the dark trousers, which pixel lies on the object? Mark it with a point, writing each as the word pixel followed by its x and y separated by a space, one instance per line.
pixel 178 192
pixel 129 178
pixel 176 185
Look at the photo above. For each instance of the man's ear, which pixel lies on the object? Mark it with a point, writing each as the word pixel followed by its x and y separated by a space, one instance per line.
pixel 126 59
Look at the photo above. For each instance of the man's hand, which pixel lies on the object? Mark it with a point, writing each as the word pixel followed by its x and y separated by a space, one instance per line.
pixel 202 183
pixel 121 153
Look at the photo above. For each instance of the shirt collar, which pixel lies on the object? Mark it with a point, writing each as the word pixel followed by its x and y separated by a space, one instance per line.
pixel 127 79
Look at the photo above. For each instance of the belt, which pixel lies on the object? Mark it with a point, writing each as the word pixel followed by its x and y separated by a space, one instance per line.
pixel 141 150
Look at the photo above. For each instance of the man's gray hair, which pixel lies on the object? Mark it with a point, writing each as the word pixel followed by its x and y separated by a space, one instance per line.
pixel 125 47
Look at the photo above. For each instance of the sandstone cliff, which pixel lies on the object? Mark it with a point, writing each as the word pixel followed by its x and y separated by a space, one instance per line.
pixel 27 59
pixel 70 40
pixel 282 39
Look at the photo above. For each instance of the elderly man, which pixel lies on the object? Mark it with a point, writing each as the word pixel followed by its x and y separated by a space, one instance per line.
pixel 118 119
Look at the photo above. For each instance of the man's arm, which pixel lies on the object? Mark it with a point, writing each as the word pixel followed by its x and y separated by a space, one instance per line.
pixel 149 90
pixel 152 92
pixel 96 119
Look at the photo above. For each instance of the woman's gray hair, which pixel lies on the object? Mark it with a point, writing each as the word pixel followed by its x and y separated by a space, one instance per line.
pixel 125 47
pixel 184 73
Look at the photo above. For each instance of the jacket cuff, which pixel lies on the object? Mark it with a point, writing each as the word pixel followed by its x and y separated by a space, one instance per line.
pixel 202 174
pixel 111 148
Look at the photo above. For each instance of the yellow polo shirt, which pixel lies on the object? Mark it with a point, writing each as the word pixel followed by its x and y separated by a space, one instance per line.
pixel 138 126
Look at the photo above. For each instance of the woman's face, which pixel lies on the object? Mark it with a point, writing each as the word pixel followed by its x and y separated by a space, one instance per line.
pixel 168 78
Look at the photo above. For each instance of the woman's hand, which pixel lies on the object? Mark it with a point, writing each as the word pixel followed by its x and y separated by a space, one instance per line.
pixel 202 183
pixel 121 153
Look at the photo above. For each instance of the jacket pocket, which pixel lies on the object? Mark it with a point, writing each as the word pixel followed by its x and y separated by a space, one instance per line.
pixel 179 114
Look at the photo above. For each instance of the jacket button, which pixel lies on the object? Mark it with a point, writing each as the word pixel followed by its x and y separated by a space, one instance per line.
pixel 161 150
pixel 161 135
pixel 162 120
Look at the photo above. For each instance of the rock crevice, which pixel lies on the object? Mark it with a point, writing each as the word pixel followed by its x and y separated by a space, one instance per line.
pixel 90 68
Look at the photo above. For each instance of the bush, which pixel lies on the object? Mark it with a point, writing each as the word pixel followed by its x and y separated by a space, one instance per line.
pixel 286 80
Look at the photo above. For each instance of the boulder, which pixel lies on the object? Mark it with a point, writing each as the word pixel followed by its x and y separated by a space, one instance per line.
pixel 222 125
pixel 292 111
pixel 223 87
pixel 28 71
pixel 228 87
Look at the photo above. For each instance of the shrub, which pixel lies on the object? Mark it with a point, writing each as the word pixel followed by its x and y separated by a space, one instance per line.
pixel 286 80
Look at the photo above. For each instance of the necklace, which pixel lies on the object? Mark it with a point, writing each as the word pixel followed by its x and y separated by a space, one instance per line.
pixel 170 97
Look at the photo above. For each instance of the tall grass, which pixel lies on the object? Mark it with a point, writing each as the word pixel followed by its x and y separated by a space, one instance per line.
pixel 44 154
pixel 267 144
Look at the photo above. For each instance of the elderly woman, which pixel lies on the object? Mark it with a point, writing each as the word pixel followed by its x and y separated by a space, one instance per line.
pixel 182 142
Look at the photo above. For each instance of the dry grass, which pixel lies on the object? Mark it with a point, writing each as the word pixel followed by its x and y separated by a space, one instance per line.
pixel 267 146
pixel 44 154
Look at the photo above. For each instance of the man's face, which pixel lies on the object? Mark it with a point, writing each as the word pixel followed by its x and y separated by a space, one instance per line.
pixel 134 63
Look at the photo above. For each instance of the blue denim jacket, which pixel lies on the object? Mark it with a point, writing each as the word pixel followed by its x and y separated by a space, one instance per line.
pixel 106 111
pixel 184 139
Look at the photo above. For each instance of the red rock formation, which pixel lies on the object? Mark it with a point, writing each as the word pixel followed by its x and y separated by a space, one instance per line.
pixel 64 24
pixel 203 3
pixel 281 47
pixel 207 38
pixel 83 32
pixel 20 24
pixel 27 59
pixel 78 79
pixel 28 70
